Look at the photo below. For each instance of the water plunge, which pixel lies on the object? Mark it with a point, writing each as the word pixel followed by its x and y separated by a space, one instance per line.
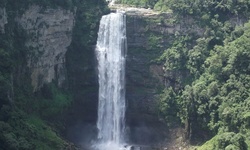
pixel 111 51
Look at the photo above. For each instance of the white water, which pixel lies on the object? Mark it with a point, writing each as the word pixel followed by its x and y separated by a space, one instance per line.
pixel 111 51
pixel 111 2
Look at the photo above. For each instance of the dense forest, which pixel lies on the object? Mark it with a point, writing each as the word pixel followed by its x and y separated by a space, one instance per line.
pixel 212 99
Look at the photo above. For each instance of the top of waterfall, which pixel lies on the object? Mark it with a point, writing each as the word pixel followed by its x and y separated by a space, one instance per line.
pixel 132 10
pixel 111 2
pixel 120 11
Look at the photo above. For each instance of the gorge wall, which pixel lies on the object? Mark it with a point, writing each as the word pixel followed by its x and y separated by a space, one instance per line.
pixel 3 19
pixel 47 70
pixel 59 46
pixel 50 33
pixel 149 34
pixel 48 77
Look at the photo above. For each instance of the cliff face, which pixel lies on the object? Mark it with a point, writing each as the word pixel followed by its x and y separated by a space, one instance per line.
pixel 43 43
pixel 3 19
pixel 149 34
pixel 33 43
pixel 50 33
pixel 144 78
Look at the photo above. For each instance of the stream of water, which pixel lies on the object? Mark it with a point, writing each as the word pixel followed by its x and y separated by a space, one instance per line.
pixel 111 52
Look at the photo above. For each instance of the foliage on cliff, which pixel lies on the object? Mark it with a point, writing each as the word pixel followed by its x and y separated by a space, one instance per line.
pixel 28 119
pixel 213 98
pixel 139 3
pixel 194 7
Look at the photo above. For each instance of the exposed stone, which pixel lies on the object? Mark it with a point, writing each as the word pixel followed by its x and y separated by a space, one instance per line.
pixel 3 19
pixel 50 33
pixel 143 77
pixel 148 35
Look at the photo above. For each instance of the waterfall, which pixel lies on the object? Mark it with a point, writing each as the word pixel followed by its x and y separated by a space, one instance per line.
pixel 111 51
pixel 111 2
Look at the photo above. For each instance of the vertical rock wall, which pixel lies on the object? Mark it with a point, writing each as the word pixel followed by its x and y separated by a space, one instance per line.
pixel 3 19
pixel 148 34
pixel 144 78
pixel 49 34
pixel 146 42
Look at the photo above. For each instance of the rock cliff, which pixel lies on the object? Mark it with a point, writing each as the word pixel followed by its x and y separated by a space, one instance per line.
pixel 149 33
pixel 3 19
pixel 47 45
pixel 50 33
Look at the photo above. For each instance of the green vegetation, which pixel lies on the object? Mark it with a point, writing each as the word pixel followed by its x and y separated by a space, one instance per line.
pixel 209 73
pixel 52 101
pixel 139 3
pixel 210 96
pixel 18 5
pixel 27 133
pixel 200 8
pixel 226 141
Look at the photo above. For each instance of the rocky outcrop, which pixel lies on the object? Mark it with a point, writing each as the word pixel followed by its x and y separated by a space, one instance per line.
pixel 49 34
pixel 3 19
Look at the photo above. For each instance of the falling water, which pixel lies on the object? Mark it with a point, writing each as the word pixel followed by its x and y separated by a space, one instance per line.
pixel 111 2
pixel 111 52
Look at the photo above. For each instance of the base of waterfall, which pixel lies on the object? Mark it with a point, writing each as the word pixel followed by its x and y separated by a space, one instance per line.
pixel 111 145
